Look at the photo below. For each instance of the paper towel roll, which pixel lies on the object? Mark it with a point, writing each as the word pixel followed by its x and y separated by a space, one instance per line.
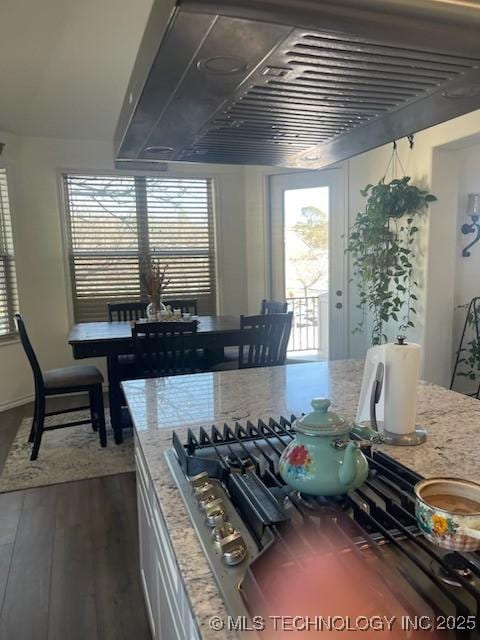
pixel 402 368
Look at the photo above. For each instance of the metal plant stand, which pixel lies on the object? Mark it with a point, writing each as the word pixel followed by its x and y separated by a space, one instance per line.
pixel 472 319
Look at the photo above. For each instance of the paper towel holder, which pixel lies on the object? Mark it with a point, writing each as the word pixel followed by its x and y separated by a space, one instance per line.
pixel 405 439
pixel 418 436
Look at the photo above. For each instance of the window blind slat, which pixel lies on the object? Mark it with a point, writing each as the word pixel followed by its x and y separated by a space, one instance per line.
pixel 115 222
pixel 8 281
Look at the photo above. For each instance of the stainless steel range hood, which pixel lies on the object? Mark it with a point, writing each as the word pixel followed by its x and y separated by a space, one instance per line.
pixel 296 83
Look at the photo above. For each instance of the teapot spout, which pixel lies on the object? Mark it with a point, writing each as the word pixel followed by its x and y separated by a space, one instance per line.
pixel 348 469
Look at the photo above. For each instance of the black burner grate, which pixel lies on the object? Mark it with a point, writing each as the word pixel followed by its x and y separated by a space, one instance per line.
pixel 244 457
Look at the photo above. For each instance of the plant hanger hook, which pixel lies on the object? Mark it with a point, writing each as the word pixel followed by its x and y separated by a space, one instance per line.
pixel 395 161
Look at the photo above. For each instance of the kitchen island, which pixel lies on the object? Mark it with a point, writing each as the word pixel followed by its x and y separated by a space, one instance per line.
pixel 161 405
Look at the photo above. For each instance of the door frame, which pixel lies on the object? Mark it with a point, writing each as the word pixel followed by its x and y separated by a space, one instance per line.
pixel 334 177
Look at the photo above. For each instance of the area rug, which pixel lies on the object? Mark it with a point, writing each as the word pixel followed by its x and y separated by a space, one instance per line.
pixel 65 455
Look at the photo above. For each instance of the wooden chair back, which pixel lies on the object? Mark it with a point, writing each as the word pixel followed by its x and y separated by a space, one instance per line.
pixel 273 306
pixel 164 348
pixel 186 306
pixel 126 311
pixel 30 353
pixel 264 339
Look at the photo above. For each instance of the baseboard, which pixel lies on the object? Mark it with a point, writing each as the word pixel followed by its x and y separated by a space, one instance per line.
pixel 4 406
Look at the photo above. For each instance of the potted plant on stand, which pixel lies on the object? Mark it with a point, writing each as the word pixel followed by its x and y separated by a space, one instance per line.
pixel 381 243
pixel 154 282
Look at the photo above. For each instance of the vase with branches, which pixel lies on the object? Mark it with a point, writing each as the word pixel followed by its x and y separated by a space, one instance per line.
pixel 154 282
pixel 381 243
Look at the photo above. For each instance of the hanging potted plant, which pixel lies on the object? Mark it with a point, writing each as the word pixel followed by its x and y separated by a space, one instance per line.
pixel 381 243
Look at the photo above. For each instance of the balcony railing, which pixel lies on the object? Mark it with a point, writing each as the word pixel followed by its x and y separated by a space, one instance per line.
pixel 310 323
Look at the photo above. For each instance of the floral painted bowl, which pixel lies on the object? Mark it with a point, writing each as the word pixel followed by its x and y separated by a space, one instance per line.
pixel 448 512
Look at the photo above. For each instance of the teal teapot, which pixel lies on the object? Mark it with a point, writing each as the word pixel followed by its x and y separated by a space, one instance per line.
pixel 322 460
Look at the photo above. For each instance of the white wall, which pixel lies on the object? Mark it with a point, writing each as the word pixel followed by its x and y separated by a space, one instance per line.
pixel 360 171
pixel 242 198
pixel 467 269
pixel 433 165
pixel 467 280
pixel 436 165
pixel 15 378
pixel 33 167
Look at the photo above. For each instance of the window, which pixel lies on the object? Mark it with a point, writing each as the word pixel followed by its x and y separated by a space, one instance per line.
pixel 8 282
pixel 116 222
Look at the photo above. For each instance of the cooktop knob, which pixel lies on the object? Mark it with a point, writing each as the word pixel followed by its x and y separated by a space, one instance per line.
pixel 234 549
pixel 222 530
pixel 200 480
pixel 214 511
pixel 206 494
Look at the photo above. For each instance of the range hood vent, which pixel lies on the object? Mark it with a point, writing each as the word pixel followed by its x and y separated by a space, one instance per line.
pixel 251 84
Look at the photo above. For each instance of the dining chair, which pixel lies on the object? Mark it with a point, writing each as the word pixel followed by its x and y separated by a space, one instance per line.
pixel 273 306
pixel 264 341
pixel 56 382
pixel 164 348
pixel 230 354
pixel 186 306
pixel 124 311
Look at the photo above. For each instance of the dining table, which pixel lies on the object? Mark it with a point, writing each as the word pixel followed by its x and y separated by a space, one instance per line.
pixel 111 340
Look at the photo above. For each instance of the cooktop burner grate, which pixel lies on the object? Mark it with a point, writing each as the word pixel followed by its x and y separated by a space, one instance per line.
pixel 243 458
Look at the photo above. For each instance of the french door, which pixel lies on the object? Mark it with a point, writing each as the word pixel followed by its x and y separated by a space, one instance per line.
pixel 307 258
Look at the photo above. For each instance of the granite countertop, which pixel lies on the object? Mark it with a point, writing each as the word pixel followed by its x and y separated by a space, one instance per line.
pixel 160 405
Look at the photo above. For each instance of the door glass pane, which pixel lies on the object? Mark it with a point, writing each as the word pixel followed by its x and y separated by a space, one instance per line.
pixel 306 216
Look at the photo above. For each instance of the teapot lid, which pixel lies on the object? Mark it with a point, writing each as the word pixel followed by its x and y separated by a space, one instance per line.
pixel 321 421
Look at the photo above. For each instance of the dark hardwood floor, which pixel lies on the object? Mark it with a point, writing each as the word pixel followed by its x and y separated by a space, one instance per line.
pixel 69 566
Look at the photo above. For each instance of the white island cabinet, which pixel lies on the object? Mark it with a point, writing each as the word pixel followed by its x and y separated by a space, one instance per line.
pixel 167 604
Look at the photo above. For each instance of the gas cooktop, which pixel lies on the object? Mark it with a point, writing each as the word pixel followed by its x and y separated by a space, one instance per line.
pixel 253 529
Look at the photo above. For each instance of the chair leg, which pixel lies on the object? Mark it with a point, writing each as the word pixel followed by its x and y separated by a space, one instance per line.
pixel 34 420
pixel 38 428
pixel 93 416
pixel 115 399
pixel 99 411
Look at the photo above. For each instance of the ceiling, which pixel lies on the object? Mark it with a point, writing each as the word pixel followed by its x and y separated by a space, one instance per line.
pixel 65 64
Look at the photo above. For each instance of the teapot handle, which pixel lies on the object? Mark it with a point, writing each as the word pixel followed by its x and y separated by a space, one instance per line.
pixel 366 433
